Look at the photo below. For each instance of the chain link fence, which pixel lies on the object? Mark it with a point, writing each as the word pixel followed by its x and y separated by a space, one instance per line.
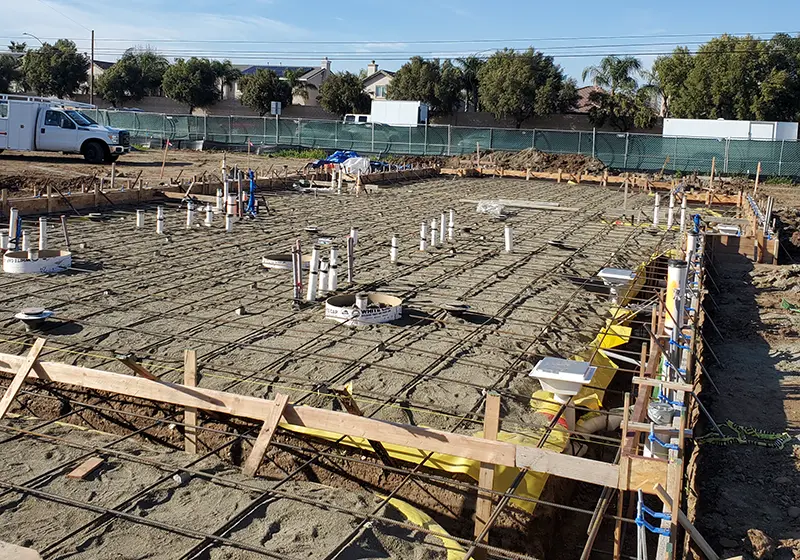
pixel 624 151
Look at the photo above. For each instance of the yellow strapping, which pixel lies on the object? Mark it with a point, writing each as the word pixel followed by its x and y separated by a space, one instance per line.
pixel 422 519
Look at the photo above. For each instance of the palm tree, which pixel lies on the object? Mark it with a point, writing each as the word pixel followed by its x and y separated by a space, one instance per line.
pixel 615 73
pixel 226 73
pixel 470 66
pixel 299 87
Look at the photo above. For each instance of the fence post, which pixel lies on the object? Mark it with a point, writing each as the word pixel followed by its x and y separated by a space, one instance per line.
pixel 533 141
pixel 580 136
pixel 335 135
pixel 491 130
pixel 675 159
pixel 780 158
pixel 205 127
pixel 409 137
pixel 594 142
pixel 264 135
pixel 425 145
pixel 277 129
pixel 372 137
pixel 230 129
pixel 299 133
pixel 727 155
pixel 448 139
pixel 625 161
pixel 163 126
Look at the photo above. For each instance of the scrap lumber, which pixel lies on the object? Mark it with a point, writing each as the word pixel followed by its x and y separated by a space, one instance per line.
pixel 698 539
pixel 84 469
pixel 483 505
pixel 130 361
pixel 22 372
pixel 265 435
pixel 639 469
pixel 190 413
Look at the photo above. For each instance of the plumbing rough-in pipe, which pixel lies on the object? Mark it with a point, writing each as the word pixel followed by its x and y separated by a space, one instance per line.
pixel 683 213
pixel 451 227
pixel 333 278
pixel 313 272
pixel 351 259
pixel 189 214
pixel 509 236
pixel 160 220
pixel 13 217
pixel 26 244
pixel 434 233
pixel 42 233
pixel 140 218
pixel 322 289
pixel 656 208
pixel 209 216
pixel 442 226
pixel 671 212
pixel 423 237
pixel 393 252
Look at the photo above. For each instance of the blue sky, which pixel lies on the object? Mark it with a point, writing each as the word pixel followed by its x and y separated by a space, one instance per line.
pixel 292 32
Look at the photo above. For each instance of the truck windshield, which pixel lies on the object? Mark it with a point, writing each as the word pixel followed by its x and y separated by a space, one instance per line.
pixel 80 119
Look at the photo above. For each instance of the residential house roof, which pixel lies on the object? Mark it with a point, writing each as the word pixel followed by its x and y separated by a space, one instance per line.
pixel 583 106
pixel 279 70
pixel 102 64
pixel 377 75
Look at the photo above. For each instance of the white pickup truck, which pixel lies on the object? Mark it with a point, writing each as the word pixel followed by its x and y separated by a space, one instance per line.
pixel 56 125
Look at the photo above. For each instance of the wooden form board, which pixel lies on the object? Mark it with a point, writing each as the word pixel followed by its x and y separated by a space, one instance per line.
pixel 21 373
pixel 459 445
pixel 85 468
pixel 190 413
pixel 483 505
pixel 278 405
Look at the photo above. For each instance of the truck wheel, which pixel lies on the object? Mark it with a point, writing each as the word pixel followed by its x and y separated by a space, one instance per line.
pixel 93 152
pixel 111 158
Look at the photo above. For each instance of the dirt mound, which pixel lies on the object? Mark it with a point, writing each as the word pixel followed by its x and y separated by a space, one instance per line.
pixel 789 227
pixel 537 161
pixel 27 183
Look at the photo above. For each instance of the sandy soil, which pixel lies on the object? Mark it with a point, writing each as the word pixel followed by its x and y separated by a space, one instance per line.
pixel 25 170
pixel 748 495
pixel 288 528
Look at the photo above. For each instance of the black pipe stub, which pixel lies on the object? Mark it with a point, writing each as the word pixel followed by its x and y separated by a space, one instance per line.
pixel 33 317
pixel 455 307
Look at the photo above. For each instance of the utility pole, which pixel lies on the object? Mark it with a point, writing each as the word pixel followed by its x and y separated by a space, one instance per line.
pixel 91 76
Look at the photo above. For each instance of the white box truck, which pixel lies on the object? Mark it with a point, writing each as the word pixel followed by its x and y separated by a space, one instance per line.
pixel 55 125
pixel 399 113
pixel 723 129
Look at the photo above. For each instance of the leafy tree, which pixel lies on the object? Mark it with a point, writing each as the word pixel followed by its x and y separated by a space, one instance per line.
pixel 298 87
pixel 618 99
pixel 57 69
pixel 135 75
pixel 435 83
pixel 470 67
pixel 343 93
pixel 520 85
pixel 259 90
pixel 192 81
pixel 734 78
pixel 227 74
pixel 15 47
pixel 9 71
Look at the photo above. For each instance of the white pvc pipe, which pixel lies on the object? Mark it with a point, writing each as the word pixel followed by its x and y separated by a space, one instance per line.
pixel 160 220
pixel 13 216
pixel 423 237
pixel 442 227
pixel 3 240
pixel 313 272
pixel 209 216
pixel 189 214
pixel 322 288
pixel 434 233
pixel 231 207
pixel 691 246
pixel 140 218
pixel 671 213
pixel 656 208
pixel 451 226
pixel 226 187
pixel 362 301
pixel 351 259
pixel 333 179
pixel 26 243
pixel 339 181
pixel 394 251
pixel 509 235
pixel 219 200
pixel 354 235
pixel 677 271
pixel 333 273
pixel 297 271
pixel 229 222
pixel 683 213
pixel 42 233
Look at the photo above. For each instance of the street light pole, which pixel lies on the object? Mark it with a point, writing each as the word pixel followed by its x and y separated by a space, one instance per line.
pixel 35 37
pixel 91 77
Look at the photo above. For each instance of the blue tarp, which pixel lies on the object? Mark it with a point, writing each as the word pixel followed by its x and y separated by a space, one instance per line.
pixel 338 156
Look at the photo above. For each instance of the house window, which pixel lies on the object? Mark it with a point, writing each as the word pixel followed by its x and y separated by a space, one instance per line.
pixel 380 91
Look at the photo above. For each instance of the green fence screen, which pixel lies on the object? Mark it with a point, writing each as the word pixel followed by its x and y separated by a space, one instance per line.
pixel 644 152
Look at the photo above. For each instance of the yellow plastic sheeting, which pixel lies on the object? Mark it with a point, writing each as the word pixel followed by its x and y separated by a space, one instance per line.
pixel 612 335
pixel 531 486
pixel 422 519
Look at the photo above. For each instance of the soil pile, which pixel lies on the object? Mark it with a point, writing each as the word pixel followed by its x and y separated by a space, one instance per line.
pixel 537 161
pixel 27 183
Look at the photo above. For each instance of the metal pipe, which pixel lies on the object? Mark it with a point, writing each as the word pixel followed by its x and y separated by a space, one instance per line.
pixel 354 235
pixel 322 288
pixel 393 252
pixel 333 274
pixel 351 259
pixel 160 220
pixel 423 237
pixel 509 236
pixel 42 233
pixel 13 217
pixel 297 271
pixel 311 294
pixel 140 218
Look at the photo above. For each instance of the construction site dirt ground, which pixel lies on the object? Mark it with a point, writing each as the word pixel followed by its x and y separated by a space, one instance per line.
pixel 132 290
pixel 25 171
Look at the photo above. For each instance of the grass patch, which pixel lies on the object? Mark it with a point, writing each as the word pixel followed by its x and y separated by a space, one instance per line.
pixel 779 181
pixel 301 154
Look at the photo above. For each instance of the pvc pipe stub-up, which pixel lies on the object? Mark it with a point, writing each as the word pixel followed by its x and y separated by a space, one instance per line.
pixel 42 233
pixel 656 209
pixel 677 272
pixel 509 238
pixel 160 220
pixel 140 218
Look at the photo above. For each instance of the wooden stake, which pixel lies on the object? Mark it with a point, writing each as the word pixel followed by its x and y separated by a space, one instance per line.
pixel 190 412
pixel 265 435
pixel 19 378
pixel 84 469
pixel 164 161
pixel 483 505
pixel 713 170
pixel 559 174
pixel 758 177
pixel 136 367
pixel 350 405
pixel 621 494
pixel 698 539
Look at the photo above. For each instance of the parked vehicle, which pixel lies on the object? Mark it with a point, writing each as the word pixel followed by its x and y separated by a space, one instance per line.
pixel 56 125
pixel 356 119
